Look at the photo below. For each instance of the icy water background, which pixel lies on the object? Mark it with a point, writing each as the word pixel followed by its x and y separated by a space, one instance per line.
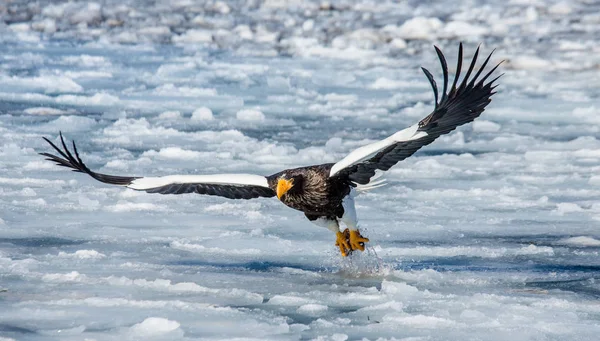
pixel 490 233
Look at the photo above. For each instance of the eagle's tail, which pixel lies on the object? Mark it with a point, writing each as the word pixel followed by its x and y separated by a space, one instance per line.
pixel 376 181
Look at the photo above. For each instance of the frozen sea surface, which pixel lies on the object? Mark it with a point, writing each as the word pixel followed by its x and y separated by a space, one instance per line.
pixel 490 233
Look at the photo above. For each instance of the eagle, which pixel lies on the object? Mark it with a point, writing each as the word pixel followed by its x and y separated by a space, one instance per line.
pixel 325 193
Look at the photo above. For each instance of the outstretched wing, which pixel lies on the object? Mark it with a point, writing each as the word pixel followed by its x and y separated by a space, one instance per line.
pixel 232 186
pixel 462 104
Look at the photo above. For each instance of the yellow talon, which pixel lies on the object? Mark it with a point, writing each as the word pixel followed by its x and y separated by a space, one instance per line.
pixel 349 241
pixel 342 243
pixel 357 241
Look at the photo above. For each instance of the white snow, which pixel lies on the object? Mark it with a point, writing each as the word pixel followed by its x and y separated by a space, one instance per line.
pixel 250 115
pixel 170 115
pixel 580 241
pixel 49 84
pixel 194 36
pixel 419 28
pixel 153 326
pixel 45 111
pixel 202 114
pixel 486 126
pixel 83 254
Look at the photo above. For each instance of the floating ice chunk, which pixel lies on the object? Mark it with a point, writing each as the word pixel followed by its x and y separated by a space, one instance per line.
pixel 398 288
pixel 31 181
pixel 72 276
pixel 289 300
pixel 87 60
pixel 334 143
pixel 278 82
pixel 32 203
pixel 170 115
pixel 49 84
pixel 202 114
pixel 167 285
pixel 184 91
pixel 47 25
pixel 531 14
pixel 214 250
pixel 89 14
pixel 56 11
pixel 580 241
pixel 308 25
pixel 567 207
pixel 398 43
pixel 472 316
pixel 87 203
pixel 122 206
pixel 99 99
pixel 155 326
pixel 125 37
pixel 174 153
pixel 244 32
pixel 484 126
pixel 386 83
pixel 588 114
pixel 283 4
pixel 534 250
pixel 12 149
pixel 250 115
pixel 27 192
pixel 561 8
pixel 419 28
pixel 419 321
pixel 45 111
pixel 155 31
pixel 387 306
pixel 83 254
pixel 62 332
pixel 263 35
pixel 346 99
pixel 529 63
pixel 194 36
pixel 463 29
pixel 312 309
pixel 88 74
pixel 594 180
pixel 70 124
pixel 20 27
pixel 220 7
pixel 469 251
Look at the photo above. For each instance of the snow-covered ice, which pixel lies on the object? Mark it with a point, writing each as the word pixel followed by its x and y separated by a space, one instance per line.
pixel 490 233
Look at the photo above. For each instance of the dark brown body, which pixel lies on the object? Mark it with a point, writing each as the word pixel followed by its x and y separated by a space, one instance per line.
pixel 314 192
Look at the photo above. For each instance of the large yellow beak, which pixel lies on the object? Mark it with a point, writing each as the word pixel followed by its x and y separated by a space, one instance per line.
pixel 284 185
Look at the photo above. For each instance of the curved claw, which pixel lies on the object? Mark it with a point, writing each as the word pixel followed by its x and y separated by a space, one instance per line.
pixel 357 241
pixel 342 243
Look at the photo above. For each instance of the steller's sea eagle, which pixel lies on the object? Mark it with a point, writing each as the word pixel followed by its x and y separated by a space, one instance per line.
pixel 325 193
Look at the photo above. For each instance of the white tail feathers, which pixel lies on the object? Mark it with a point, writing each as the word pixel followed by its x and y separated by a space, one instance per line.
pixel 375 182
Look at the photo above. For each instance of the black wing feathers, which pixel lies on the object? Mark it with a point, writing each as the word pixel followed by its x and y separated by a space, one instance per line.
pixel 227 191
pixel 74 162
pixel 77 165
pixel 457 106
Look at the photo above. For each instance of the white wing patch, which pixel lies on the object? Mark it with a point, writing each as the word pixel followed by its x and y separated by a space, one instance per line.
pixel 216 179
pixel 366 152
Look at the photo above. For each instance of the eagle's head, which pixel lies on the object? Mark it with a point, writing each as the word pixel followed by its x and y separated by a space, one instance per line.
pixel 289 184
